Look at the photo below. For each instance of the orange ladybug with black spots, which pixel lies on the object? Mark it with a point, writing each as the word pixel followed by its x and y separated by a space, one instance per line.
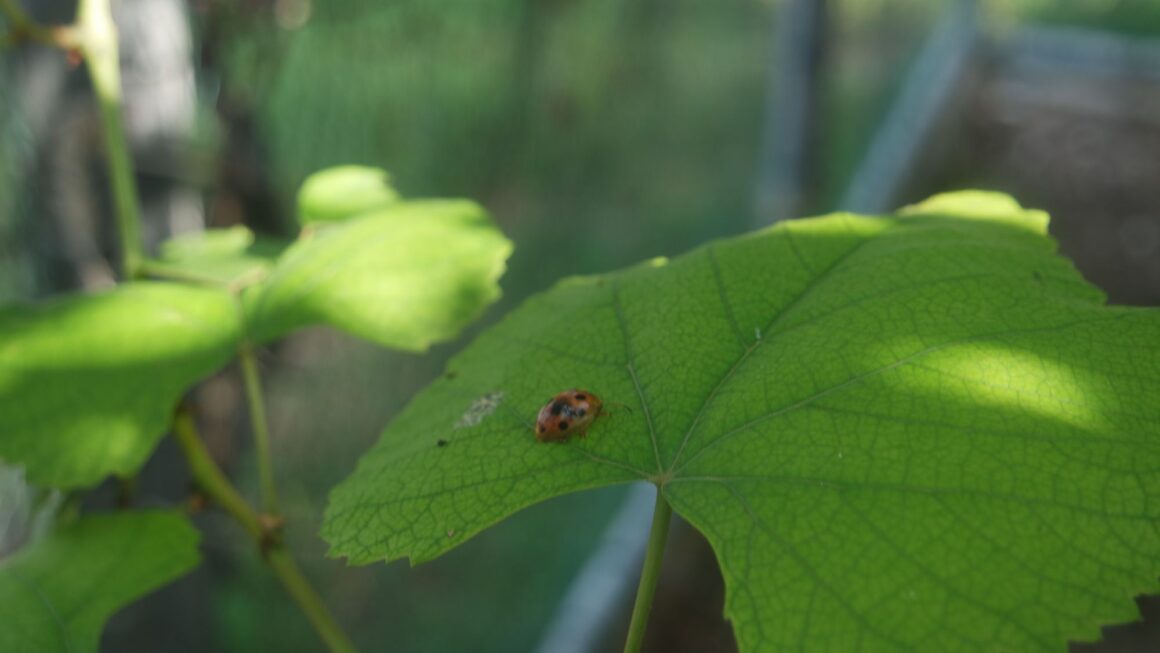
pixel 569 413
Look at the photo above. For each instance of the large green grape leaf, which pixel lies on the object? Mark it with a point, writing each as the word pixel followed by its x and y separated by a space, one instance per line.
pixel 922 432
pixel 404 276
pixel 88 382
pixel 57 594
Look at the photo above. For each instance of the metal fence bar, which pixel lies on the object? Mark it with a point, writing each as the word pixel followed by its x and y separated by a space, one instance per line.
pixel 894 151
pixel 601 590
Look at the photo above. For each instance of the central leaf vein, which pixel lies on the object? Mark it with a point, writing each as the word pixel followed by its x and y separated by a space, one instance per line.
pixel 629 358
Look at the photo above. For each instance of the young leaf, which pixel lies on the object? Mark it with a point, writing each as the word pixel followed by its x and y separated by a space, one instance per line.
pixel 404 276
pixel 921 432
pixel 57 594
pixel 88 382
pixel 342 192
pixel 227 257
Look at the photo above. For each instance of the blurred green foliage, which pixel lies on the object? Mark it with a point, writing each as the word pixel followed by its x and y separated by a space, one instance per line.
pixel 591 128
pixel 58 594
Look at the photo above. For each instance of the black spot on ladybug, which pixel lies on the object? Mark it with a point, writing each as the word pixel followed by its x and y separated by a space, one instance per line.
pixel 563 426
pixel 558 407
pixel 581 413
pixel 441 443
pixel 581 397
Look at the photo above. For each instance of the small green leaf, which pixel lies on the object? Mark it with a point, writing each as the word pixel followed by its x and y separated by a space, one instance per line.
pixel 228 257
pixel 88 382
pixel 57 594
pixel 405 276
pixel 211 244
pixel 922 432
pixel 339 193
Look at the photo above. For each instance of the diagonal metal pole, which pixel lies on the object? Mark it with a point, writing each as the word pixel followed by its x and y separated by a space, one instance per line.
pixel 787 170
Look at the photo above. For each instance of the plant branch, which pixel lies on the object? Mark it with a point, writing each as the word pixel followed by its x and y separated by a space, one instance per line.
pixel 261 431
pixel 98 45
pixel 209 476
pixel 308 600
pixel 650 573
pixel 217 487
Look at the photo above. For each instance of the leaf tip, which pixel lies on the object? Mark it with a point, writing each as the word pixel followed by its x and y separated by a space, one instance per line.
pixel 982 205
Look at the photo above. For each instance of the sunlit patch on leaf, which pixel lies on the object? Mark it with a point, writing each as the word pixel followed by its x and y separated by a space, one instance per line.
pixel 403 276
pixel 88 383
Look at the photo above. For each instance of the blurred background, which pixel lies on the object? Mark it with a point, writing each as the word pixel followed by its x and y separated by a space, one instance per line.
pixel 598 133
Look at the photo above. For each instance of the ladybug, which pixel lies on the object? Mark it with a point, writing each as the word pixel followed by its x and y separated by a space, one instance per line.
pixel 569 413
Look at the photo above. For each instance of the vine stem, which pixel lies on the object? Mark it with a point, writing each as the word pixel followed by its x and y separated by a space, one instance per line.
pixel 650 573
pixel 213 482
pixel 98 44
pixel 96 38
pixel 209 476
pixel 308 601
pixel 253 382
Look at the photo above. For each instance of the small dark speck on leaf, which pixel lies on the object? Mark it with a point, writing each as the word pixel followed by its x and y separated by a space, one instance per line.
pixel 451 375
pixel 451 533
pixel 441 442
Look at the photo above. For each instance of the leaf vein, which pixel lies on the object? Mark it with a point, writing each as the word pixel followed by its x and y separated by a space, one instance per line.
pixel 903 553
pixel 770 326
pixel 846 486
pixel 868 374
pixel 723 295
pixel 810 571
